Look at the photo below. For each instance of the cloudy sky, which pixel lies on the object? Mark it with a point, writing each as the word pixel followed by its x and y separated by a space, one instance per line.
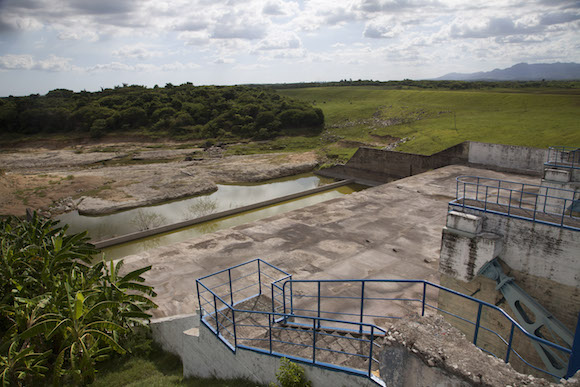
pixel 89 44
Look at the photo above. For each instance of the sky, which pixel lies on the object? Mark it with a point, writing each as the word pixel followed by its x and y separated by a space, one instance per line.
pixel 94 44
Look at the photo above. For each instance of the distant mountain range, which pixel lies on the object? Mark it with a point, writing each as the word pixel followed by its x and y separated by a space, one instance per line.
pixel 521 72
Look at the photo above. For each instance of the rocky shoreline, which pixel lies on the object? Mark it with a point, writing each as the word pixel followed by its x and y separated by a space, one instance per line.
pixel 97 182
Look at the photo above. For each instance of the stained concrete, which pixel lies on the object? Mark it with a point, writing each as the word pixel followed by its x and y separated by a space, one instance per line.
pixel 389 231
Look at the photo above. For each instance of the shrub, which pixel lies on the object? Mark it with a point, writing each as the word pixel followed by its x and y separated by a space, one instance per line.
pixel 59 314
pixel 291 374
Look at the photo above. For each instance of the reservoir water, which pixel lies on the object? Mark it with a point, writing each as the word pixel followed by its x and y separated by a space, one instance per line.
pixel 225 198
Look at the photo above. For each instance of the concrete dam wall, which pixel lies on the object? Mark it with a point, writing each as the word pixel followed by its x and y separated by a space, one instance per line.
pixel 382 166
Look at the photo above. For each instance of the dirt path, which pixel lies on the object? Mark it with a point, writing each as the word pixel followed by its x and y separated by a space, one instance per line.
pixel 103 179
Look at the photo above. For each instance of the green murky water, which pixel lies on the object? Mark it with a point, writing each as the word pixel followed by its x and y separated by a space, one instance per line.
pixel 225 198
pixel 181 235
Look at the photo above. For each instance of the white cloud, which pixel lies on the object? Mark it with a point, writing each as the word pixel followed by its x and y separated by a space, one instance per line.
pixel 142 67
pixel 224 61
pixel 280 41
pixel 16 62
pixel 78 34
pixel 300 37
pixel 238 25
pixel 251 67
pixel 27 62
pixel 382 28
pixel 55 63
pixel 194 38
pixel 484 28
pixel 280 8
pixel 138 51
pixel 113 66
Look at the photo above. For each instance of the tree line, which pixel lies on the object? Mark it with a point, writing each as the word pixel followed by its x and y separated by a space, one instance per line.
pixel 432 84
pixel 185 111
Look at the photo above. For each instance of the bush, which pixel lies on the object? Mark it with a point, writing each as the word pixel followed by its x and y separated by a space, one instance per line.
pixel 291 374
pixel 59 314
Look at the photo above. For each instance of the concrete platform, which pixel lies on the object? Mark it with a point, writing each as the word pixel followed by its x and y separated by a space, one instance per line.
pixel 389 231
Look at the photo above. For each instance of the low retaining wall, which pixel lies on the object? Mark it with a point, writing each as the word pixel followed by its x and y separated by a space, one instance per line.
pixel 520 159
pixel 204 355
pixel 399 165
pixel 175 226
pixel 383 165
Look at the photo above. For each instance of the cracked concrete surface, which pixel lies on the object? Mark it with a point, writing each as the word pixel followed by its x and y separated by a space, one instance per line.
pixel 389 231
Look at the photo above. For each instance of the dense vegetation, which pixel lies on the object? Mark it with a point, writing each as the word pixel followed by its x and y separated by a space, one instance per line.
pixel 184 111
pixel 60 315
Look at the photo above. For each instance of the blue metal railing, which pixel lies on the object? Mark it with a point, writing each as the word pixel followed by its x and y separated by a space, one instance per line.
pixel 536 203
pixel 317 299
pixel 311 341
pixel 563 157
pixel 322 312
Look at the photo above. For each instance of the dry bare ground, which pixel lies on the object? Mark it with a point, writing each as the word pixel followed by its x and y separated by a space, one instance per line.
pixel 97 180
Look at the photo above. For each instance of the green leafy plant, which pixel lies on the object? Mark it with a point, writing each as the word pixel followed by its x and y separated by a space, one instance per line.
pixel 60 315
pixel 291 374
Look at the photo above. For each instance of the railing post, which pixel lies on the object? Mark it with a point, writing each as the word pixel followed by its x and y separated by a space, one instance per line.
pixel 217 323
pixel 270 317
pixel 362 302
pixel 485 202
pixel 314 339
pixel 291 298
pixel 424 296
pixel 546 198
pixel 498 191
pixel 259 279
pixel 510 202
pixel 371 350
pixel 574 363
pixel 477 190
pixel 535 207
pixel 234 322
pixel 272 286
pixel 509 348
pixel 199 301
pixel 564 211
pixel 477 322
pixel 318 314
pixel 231 289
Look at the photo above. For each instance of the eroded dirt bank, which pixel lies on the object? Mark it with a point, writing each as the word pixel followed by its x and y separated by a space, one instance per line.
pixel 98 180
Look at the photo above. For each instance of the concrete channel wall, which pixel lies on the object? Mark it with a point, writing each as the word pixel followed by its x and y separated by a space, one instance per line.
pixel 399 164
pixel 521 159
pixel 384 165
pixel 204 355
pixel 542 259
pixel 175 226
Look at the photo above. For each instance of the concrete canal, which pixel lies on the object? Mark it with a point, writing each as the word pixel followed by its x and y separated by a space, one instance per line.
pixel 227 197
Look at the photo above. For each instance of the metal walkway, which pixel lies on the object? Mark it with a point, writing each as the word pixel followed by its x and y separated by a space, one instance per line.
pixel 339 324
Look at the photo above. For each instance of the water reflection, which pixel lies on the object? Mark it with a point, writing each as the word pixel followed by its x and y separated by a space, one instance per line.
pixel 225 198
pixel 223 223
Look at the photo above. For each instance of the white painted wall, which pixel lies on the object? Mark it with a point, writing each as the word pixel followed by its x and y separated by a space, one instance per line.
pixel 540 250
pixel 508 156
pixel 204 355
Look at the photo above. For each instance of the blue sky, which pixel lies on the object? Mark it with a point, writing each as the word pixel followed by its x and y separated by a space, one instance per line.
pixel 93 44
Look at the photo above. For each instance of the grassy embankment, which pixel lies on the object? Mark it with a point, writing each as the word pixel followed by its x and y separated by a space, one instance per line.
pixel 434 119
pixel 152 367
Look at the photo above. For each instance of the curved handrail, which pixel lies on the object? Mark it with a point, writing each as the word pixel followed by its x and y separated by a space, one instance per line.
pixel 507 316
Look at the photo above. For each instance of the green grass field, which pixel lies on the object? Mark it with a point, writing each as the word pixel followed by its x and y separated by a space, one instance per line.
pixel 436 119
